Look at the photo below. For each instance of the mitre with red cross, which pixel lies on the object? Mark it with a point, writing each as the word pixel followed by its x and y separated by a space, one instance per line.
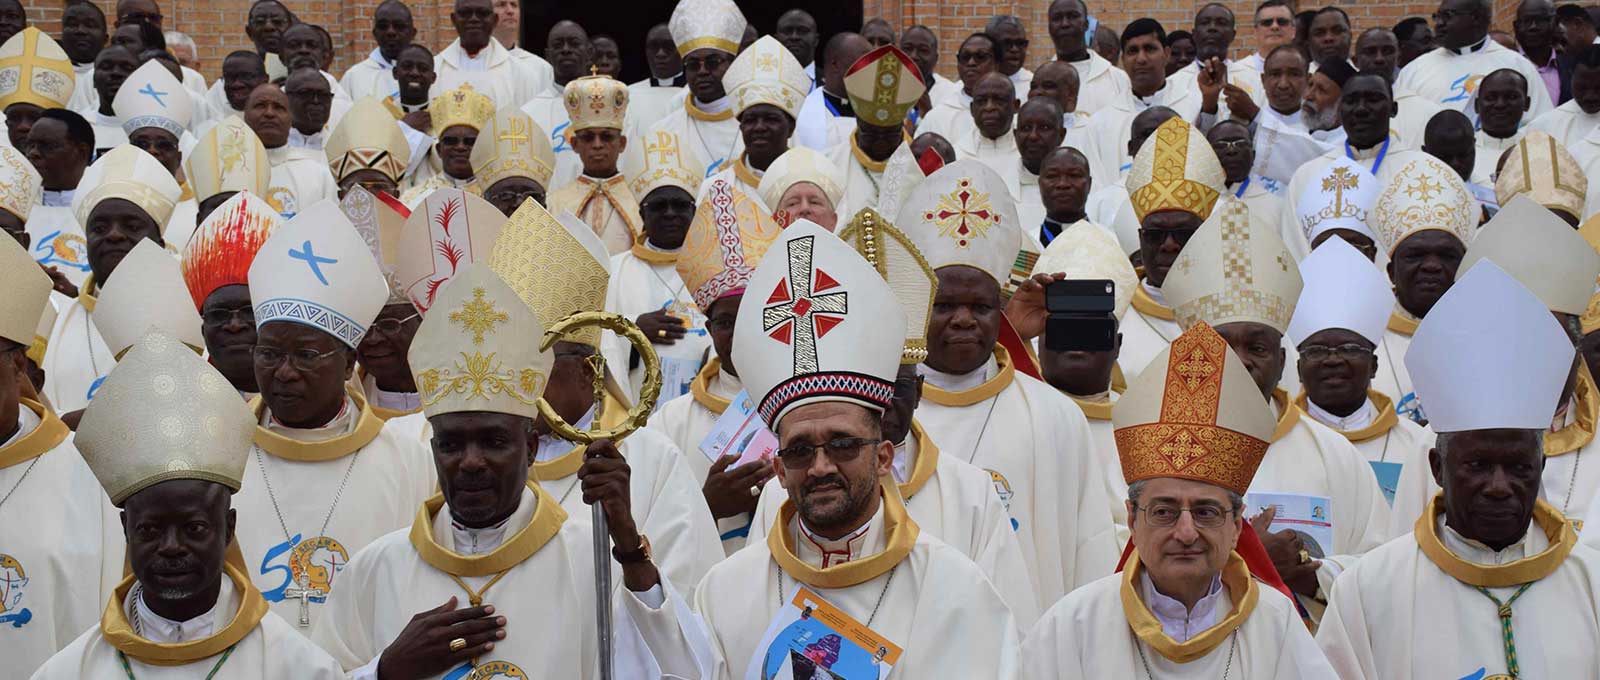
pixel 963 214
pixel 1202 418
pixel 817 324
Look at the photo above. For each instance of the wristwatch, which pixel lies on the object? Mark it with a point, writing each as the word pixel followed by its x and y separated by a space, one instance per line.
pixel 635 556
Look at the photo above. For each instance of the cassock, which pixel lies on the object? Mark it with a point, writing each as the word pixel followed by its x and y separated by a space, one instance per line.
pixel 1120 626
pixel 1100 84
pixel 1568 123
pixel 312 498
pixel 371 77
pixel 1384 161
pixel 60 565
pixel 606 205
pixel 508 80
pixel 1017 429
pixel 952 501
pixel 906 586
pixel 645 280
pixel 687 420
pixel 1424 605
pixel 822 124
pixel 1450 77
pixel 57 240
pixel 77 359
pixel 709 130
pixel 546 109
pixel 537 568
pixel 300 179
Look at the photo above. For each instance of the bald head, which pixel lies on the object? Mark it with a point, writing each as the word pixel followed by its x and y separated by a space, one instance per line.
pixel 1057 80
pixel 842 50
pixel 1145 124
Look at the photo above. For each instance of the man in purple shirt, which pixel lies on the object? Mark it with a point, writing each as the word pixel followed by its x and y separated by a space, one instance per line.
pixel 1535 27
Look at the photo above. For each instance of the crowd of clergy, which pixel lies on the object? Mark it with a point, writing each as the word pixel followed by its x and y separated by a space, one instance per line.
pixel 291 364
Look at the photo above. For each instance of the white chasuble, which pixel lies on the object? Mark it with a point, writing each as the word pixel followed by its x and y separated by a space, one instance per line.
pixel 667 504
pixel 909 587
pixel 687 420
pixel 1450 79
pixel 61 546
pixel 58 240
pixel 1035 444
pixel 645 280
pixel 949 500
pixel 312 498
pixel 862 175
pixel 1103 434
pixel 300 179
pixel 542 574
pixel 1387 441
pixel 648 103
pixel 77 359
pixel 1146 330
pixel 251 643
pixel 1567 123
pixel 1107 630
pixel 1101 84
pixel 712 136
pixel 1420 606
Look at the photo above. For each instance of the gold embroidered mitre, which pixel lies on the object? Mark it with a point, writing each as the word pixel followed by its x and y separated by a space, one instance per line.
pixel 20 184
pixel 128 173
pixel 727 239
pixel 1546 172
pixel 1231 270
pixel 1175 170
pixel 479 351
pixel 1425 195
pixel 1194 414
pixel 658 160
pixel 229 157
pixel 908 273
pixel 766 72
pixel 368 138
pixel 595 102
pixel 512 145
pixel 35 70
pixel 883 86
pixel 461 106
pixel 557 265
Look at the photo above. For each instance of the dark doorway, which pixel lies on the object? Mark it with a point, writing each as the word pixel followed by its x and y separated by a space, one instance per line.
pixel 628 21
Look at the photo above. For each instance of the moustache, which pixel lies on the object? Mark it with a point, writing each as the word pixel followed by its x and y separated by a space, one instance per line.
pixel 834 479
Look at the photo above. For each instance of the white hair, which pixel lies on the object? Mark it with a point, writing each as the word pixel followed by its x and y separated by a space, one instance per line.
pixel 179 38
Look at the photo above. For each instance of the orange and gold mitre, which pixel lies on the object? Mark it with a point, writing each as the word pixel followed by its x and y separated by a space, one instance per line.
pixel 730 233
pixel 1546 172
pixel 595 102
pixel 1175 170
pixel 368 138
pixel 35 70
pixel 461 106
pixel 1201 418
pixel 222 248
pixel 883 85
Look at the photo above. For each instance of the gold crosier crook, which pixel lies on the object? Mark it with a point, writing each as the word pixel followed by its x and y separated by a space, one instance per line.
pixel 636 418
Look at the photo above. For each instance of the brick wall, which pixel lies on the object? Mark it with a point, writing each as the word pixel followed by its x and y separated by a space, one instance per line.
pixel 217 26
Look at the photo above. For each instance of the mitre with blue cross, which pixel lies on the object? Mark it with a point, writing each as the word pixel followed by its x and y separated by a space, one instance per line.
pixel 1233 269
pixel 317 271
pixel 153 97
pixel 450 229
pixel 143 295
pixel 480 351
pixel 35 70
pixel 963 214
pixel 817 324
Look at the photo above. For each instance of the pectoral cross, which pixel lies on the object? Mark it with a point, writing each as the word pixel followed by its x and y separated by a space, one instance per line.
pixel 300 591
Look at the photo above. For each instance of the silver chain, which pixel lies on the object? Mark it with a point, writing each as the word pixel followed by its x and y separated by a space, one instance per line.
pixel 993 401
pixel 881 593
pixel 1234 645
pixel 274 498
pixel 1577 459
pixel 18 485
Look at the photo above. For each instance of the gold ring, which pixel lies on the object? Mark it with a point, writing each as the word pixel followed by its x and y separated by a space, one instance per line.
pixel 755 490
pixel 661 332
pixel 458 644
pixel 1305 556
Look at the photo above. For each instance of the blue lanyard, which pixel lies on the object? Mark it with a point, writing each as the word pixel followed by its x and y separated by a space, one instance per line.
pixel 1045 237
pixel 1242 186
pixel 1377 162
pixel 830 106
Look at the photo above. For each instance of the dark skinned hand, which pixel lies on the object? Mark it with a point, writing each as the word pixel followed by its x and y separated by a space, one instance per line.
pixel 59 282
pixel 1213 75
pixel 727 491
pixel 605 478
pixel 1240 106
pixel 419 120
pixel 654 323
pixel 1284 549
pixel 1026 310
pixel 422 649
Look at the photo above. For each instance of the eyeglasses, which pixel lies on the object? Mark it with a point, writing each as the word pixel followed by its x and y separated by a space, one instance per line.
pixel 162 146
pixel 1205 515
pixel 222 317
pixel 1275 21
pixel 710 63
pixel 391 326
pixel 1222 145
pixel 302 360
pixel 840 451
pixel 1156 237
pixel 973 57
pixel 1349 350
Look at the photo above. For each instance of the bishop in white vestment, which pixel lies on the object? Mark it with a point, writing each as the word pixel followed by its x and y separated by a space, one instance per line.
pixel 884 86
pixel 709 30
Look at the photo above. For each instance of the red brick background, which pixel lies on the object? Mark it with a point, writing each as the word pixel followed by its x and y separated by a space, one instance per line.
pixel 217 26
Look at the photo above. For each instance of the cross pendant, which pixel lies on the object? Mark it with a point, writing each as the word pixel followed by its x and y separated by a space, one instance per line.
pixel 300 592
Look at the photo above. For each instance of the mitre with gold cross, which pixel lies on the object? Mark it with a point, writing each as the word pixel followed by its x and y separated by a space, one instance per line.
pixel 1200 417
pixel 511 145
pixel 35 70
pixel 1233 269
pixel 1175 170
pixel 1341 198
pixel 660 159
pixel 480 351
pixel 1426 195
pixel 817 324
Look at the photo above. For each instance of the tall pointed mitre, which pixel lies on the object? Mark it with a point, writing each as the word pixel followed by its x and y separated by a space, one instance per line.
pixel 801 164
pixel 1199 417
pixel 819 324
pixel 379 219
pixel 1343 289
pixel 1175 170
pixel 1233 270
pixel 1425 195
pixel 316 271
pixel 153 97
pixel 511 145
pixel 901 174
pixel 41 335
pixel 35 70
pixel 451 228
pixel 660 159
pixel 727 239
pixel 27 290
pixel 1590 320
pixel 1489 355
pixel 460 106
pixel 20 184
pixel 228 157
pixel 883 86
pixel 163 413
pixel 222 248
pixel 368 138
pixel 1341 198
pixel 128 173
pixel 766 72
pixel 711 24
pixel 145 294
pixel 1541 169
pixel 481 353
pixel 557 265
pixel 907 272
pixel 1085 252
pixel 595 101
pixel 1539 250
pixel 963 215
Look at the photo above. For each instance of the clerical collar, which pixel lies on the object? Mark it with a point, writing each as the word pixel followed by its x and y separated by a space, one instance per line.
pixel 412 108
pixel 1096 398
pixel 1050 229
pixel 839 106
pixel 301 140
pixel 1152 99
pixel 717 106
pixel 1295 118
pixel 956 383
pixel 552 447
pixel 57 199
pixel 828 552
pixel 1179 622
pixel 1154 292
pixel 1357 420
pixel 27 420
pixel 470 541
pixel 341 424
pixel 675 81
pixel 648 245
pixel 377 58
pixel 904 455
pixel 1534 541
pixel 1474 47
pixel 159 629
pixel 97 118
pixel 88 66
pixel 395 401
